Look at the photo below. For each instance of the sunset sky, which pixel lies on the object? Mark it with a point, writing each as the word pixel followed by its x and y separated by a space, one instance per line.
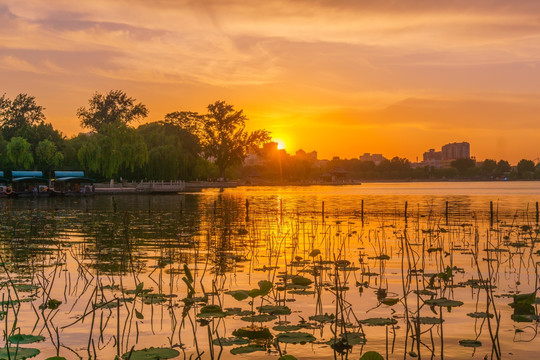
pixel 340 77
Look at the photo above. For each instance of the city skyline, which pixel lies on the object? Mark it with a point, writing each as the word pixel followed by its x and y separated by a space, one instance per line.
pixel 331 76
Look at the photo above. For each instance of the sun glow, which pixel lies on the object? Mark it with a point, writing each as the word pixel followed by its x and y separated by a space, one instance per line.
pixel 280 144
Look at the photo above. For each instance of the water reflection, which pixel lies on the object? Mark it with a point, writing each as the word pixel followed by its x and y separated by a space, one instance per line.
pixel 129 271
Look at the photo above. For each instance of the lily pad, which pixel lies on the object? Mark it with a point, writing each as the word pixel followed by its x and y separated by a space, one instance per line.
pixel 390 301
pixel 300 280
pixel 247 349
pixel 287 328
pixel 378 321
pixel 349 339
pixel 52 304
pixel 230 341
pixel 275 310
pixel 372 355
pixel 22 353
pixel 26 287
pixel 253 333
pixel 211 311
pixel 444 302
pixel 470 343
pixel 25 339
pixel 480 315
pixel 238 294
pixel 428 320
pixel 152 354
pixel 322 318
pixel 259 318
pixel 295 337
pixel 238 311
pixel 302 292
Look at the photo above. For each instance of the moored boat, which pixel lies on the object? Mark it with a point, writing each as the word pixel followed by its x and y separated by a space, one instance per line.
pixel 29 183
pixel 5 186
pixel 71 183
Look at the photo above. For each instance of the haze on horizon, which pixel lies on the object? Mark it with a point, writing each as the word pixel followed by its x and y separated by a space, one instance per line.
pixel 339 77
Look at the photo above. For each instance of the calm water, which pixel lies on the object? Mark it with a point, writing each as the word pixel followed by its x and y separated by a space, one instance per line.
pixel 92 254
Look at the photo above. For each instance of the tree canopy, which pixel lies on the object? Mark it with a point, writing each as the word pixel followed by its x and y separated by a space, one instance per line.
pixel 221 133
pixel 116 147
pixel 116 107
pixel 19 153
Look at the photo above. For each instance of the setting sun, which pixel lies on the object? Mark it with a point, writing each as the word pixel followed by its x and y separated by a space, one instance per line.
pixel 281 144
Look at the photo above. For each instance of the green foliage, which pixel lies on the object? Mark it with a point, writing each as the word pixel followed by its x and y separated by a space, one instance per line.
pixel 295 338
pixel 25 339
pixel 116 147
pixel 23 117
pixel 173 153
pixel 19 152
pixel 48 156
pixel 488 167
pixel 113 108
pixel 22 353
pixel 152 354
pixel 247 349
pixel 470 343
pixel 503 167
pixel 221 133
pixel 371 355
pixel 525 168
pixel 463 165
pixel 253 333
pixel 19 113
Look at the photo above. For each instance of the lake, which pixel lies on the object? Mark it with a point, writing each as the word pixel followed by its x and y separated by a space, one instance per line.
pixel 410 270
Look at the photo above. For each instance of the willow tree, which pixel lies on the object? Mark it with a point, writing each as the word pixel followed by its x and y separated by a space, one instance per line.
pixel 48 156
pixel 19 152
pixel 113 145
pixel 221 133
pixel 116 147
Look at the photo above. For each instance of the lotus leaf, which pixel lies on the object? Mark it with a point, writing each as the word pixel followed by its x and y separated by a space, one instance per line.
pixel 253 333
pixel 247 349
pixel 230 341
pixel 295 337
pixel 470 343
pixel 259 318
pixel 152 354
pixel 444 302
pixel 372 355
pixel 378 321
pixel 300 280
pixel 22 353
pixel 25 339
pixel 275 310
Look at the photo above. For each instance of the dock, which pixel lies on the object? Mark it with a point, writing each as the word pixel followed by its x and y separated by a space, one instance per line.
pixel 159 187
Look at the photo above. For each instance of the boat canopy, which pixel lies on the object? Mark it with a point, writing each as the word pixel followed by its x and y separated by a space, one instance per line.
pixel 63 174
pixel 3 179
pixel 71 176
pixel 27 174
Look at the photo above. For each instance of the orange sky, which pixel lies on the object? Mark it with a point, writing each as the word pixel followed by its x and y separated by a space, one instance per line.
pixel 340 77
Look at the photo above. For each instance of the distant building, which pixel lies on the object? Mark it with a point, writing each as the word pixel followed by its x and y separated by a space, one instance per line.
pixel 376 158
pixel 455 151
pixel 432 155
pixel 302 155
pixel 448 153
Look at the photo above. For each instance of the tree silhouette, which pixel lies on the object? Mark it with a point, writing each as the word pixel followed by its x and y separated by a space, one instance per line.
pixel 113 108
pixel 19 152
pixel 222 133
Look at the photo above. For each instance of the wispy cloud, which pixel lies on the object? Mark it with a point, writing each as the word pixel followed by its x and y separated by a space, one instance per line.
pixel 365 64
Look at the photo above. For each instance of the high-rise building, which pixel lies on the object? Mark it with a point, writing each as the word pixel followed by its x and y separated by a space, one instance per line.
pixel 455 151
pixel 376 158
